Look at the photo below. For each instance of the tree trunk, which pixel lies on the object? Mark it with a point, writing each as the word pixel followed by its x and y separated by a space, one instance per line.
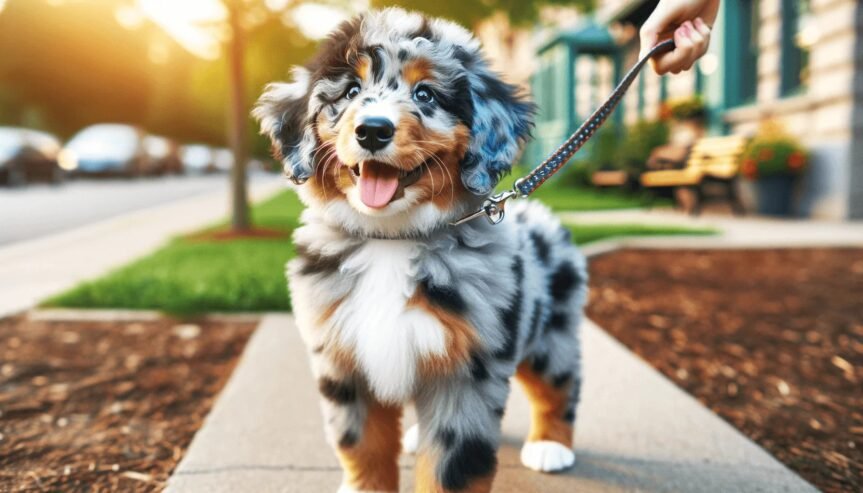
pixel 237 118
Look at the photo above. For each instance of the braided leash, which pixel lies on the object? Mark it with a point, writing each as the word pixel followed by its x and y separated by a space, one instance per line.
pixel 493 207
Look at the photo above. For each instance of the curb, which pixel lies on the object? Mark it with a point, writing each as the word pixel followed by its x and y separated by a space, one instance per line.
pixel 98 315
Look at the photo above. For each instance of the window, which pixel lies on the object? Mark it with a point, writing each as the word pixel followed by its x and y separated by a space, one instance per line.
pixel 797 37
pixel 742 18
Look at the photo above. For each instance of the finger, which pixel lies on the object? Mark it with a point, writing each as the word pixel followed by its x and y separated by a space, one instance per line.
pixel 702 27
pixel 676 59
pixel 655 24
pixel 699 44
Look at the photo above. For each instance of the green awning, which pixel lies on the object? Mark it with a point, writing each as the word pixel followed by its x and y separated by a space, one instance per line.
pixel 588 37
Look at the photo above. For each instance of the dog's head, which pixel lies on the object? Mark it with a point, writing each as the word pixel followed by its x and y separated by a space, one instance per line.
pixel 397 124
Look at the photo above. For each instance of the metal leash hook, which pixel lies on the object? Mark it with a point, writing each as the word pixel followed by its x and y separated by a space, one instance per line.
pixel 493 208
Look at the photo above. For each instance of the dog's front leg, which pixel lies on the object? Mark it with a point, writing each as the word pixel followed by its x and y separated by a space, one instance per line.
pixel 364 433
pixel 459 427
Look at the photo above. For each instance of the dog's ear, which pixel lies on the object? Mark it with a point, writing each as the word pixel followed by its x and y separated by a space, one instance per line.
pixel 502 122
pixel 283 113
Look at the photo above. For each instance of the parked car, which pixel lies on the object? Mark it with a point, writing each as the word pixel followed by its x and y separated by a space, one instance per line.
pixel 107 150
pixel 197 159
pixel 223 160
pixel 28 155
pixel 163 155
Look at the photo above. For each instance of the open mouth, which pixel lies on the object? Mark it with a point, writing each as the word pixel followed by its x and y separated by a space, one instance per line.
pixel 381 183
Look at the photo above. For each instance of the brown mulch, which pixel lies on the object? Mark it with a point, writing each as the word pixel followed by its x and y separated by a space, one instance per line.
pixel 90 406
pixel 772 341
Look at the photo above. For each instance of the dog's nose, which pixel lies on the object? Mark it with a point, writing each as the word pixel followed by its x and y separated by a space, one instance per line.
pixel 375 133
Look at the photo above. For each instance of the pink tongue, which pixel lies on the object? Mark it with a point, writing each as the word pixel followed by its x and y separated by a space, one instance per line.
pixel 378 184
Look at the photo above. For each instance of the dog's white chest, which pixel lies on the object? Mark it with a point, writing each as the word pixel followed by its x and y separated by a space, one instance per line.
pixel 388 336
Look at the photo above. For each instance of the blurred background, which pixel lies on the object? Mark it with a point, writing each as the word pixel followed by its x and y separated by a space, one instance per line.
pixel 783 75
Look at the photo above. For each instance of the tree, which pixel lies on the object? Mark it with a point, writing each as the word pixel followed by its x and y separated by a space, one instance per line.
pixel 471 12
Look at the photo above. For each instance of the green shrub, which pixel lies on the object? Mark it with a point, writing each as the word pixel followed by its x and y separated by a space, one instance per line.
pixel 773 152
pixel 641 139
pixel 692 108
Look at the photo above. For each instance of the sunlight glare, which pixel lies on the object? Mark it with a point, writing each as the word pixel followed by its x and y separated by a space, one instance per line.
pixel 315 20
pixel 189 22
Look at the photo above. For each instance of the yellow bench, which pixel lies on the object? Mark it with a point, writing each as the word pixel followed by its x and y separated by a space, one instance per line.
pixel 712 162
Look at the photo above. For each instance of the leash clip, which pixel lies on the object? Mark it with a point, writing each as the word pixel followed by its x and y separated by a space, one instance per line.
pixel 493 208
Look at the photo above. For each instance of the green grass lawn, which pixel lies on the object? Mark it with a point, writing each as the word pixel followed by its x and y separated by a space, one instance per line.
pixel 191 275
pixel 560 197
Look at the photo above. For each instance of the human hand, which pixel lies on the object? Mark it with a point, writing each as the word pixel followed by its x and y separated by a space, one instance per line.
pixel 688 22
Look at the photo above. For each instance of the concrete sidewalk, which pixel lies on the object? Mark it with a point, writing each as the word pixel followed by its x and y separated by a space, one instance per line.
pixel 636 431
pixel 33 270
pixel 735 232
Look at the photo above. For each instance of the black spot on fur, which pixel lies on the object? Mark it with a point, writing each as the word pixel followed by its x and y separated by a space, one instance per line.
pixel 403 55
pixel 376 53
pixel 462 56
pixel 499 412
pixel 559 322
pixel 446 297
pixel 511 316
pixel 540 363
pixel 458 101
pixel 348 439
pixel 335 391
pixel 561 379
pixel 569 415
pixel 563 281
pixel 393 84
pixel 427 110
pixel 535 320
pixel 543 249
pixel 446 437
pixel 472 458
pixel 478 370
pixel 417 114
pixel 315 263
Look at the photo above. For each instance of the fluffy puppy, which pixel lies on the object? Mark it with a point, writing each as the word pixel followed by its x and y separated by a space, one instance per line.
pixel 396 128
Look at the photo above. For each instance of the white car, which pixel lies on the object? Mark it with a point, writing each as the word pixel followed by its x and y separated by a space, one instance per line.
pixel 163 154
pixel 106 150
pixel 197 159
pixel 223 159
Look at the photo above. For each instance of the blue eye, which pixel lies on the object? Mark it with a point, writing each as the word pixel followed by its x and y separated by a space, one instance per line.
pixel 423 95
pixel 353 91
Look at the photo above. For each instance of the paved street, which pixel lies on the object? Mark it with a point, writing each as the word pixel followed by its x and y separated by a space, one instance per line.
pixel 41 209
pixel 32 270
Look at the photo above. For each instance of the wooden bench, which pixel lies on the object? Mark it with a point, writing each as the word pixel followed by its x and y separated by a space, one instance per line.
pixel 711 163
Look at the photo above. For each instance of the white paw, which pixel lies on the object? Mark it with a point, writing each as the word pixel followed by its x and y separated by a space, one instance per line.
pixel 411 440
pixel 546 456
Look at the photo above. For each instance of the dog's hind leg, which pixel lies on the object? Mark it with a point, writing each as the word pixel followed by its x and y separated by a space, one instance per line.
pixel 365 435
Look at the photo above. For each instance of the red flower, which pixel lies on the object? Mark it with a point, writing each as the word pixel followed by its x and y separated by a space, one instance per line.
pixel 796 160
pixel 749 169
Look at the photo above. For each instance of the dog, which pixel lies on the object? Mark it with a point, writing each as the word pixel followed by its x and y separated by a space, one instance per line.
pixel 395 129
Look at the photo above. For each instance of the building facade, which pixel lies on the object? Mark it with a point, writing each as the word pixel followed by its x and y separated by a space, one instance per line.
pixel 799 62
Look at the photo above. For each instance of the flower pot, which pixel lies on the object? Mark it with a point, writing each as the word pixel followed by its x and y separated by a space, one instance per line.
pixel 775 194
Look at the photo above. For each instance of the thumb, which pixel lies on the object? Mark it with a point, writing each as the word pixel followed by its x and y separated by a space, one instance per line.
pixel 648 38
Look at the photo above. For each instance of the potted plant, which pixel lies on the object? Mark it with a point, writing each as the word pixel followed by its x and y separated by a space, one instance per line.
pixel 774 160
